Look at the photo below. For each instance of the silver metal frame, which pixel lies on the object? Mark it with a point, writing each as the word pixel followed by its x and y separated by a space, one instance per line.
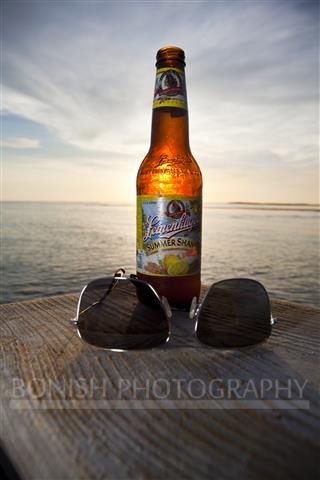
pixel 194 312
pixel 162 302
pixel 195 308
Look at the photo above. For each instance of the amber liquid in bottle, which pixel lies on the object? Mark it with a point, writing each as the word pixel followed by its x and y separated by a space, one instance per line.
pixel 169 168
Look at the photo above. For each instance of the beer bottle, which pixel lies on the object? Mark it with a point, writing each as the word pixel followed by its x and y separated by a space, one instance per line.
pixel 169 191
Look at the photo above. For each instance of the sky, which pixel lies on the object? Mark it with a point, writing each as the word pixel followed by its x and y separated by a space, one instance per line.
pixel 77 86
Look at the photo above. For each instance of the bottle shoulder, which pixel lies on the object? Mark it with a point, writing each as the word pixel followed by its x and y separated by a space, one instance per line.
pixel 159 161
pixel 166 173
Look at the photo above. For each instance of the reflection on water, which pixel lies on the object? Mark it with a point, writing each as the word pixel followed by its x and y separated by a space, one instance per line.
pixel 57 248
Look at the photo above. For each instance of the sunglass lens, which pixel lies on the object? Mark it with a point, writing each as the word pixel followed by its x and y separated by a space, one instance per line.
pixel 119 321
pixel 235 313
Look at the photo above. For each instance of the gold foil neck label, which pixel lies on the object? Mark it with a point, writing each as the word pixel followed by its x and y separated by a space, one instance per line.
pixel 170 89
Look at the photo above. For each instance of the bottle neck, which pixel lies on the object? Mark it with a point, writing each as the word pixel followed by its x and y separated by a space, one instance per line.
pixel 170 124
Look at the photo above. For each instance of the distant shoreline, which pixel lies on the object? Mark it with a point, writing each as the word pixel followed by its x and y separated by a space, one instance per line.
pixel 274 204
pixel 268 206
pixel 109 204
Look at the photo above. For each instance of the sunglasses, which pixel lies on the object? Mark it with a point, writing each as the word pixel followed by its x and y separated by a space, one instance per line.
pixel 126 313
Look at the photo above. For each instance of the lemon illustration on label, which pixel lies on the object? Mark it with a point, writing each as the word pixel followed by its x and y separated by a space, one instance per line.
pixel 169 260
pixel 179 267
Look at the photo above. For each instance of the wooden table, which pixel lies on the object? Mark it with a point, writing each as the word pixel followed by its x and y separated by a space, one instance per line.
pixel 112 430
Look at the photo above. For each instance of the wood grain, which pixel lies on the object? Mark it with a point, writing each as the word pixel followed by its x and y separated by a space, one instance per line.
pixel 77 440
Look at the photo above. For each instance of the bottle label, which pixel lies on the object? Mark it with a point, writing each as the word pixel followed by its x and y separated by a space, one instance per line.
pixel 170 89
pixel 168 235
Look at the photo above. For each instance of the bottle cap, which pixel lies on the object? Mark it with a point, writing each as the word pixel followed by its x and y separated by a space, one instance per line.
pixel 170 53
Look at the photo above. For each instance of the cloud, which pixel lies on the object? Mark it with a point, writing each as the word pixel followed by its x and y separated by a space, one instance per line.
pixel 86 72
pixel 85 79
pixel 20 143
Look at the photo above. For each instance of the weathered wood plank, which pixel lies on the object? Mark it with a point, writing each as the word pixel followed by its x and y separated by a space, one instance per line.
pixel 158 442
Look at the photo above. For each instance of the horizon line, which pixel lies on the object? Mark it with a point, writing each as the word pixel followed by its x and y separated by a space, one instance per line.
pixel 287 204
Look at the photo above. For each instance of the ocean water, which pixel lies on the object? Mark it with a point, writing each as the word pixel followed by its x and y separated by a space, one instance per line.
pixel 54 248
